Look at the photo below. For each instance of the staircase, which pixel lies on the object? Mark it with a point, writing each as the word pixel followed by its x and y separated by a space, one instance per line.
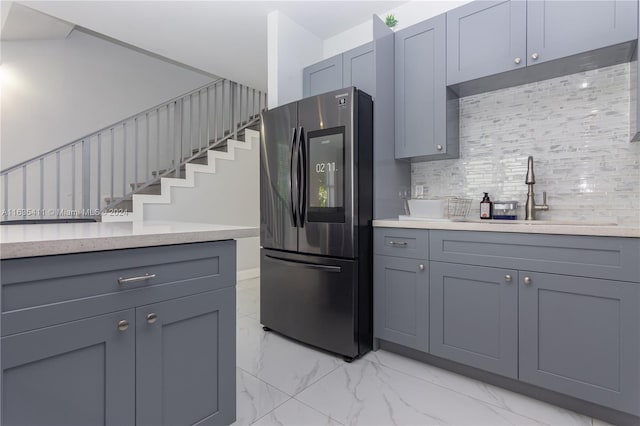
pixel 194 176
pixel 112 173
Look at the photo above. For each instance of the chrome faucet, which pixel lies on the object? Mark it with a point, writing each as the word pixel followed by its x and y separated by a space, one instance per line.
pixel 531 207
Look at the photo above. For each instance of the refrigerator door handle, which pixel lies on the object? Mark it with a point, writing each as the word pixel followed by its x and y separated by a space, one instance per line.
pixel 292 263
pixel 302 180
pixel 293 192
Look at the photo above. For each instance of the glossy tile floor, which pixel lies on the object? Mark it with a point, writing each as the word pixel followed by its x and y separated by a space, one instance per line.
pixel 281 382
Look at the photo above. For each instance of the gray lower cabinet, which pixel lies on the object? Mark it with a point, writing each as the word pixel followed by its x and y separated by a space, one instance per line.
pixel 140 336
pixel 184 359
pixel 581 337
pixel 559 312
pixel 401 301
pixel 473 316
pixel 426 111
pixel 77 373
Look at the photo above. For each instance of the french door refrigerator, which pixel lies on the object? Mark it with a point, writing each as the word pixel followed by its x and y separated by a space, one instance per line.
pixel 316 166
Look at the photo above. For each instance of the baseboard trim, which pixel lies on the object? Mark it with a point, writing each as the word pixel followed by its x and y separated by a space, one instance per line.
pixel 247 274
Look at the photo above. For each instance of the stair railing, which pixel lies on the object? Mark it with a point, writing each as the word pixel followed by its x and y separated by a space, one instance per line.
pixel 96 173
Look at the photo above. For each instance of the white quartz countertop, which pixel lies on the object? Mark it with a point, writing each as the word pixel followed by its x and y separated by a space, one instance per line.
pixel 61 238
pixel 540 227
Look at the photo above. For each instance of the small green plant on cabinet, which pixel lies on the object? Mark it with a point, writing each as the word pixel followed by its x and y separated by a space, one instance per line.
pixel 391 21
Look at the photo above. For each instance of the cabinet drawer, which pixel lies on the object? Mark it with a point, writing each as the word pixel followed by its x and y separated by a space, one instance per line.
pixel 42 291
pixel 584 256
pixel 400 242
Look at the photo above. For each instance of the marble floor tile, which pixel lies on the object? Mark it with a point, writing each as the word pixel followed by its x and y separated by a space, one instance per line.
pixel 367 393
pixel 254 398
pixel 289 366
pixel 295 413
pixel 247 301
pixel 505 399
pixel 253 283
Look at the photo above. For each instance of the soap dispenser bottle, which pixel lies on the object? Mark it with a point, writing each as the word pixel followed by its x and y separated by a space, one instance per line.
pixel 486 207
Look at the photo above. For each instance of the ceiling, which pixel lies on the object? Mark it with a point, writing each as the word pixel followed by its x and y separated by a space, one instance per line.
pixel 23 23
pixel 223 38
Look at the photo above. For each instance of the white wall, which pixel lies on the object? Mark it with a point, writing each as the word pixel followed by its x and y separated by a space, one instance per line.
pixel 230 196
pixel 290 48
pixel 55 91
pixel 407 14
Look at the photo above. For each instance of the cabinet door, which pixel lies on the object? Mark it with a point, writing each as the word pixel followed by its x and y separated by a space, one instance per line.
pixel 77 373
pixel 556 29
pixel 474 316
pixel 580 336
pixel 401 301
pixel 421 93
pixel 185 360
pixel 485 38
pixel 358 69
pixel 322 77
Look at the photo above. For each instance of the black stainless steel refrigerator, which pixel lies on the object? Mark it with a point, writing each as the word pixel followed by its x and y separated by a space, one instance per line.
pixel 316 165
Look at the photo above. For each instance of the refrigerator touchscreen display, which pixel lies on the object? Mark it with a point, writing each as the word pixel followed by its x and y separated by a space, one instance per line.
pixel 326 175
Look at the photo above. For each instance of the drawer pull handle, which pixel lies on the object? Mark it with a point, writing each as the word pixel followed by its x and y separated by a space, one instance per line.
pixel 144 277
pixel 151 318
pixel 398 243
pixel 421 267
pixel 527 280
pixel 507 278
pixel 123 325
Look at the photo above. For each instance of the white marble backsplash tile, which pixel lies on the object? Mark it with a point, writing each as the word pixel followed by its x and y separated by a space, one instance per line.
pixel 577 129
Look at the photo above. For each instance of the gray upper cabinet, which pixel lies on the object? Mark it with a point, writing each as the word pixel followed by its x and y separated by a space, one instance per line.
pixel 358 69
pixel 77 373
pixel 401 301
pixel 355 67
pixel 322 77
pixel 473 316
pixel 485 38
pixel 556 29
pixel 581 337
pixel 426 116
pixel 634 87
pixel 488 38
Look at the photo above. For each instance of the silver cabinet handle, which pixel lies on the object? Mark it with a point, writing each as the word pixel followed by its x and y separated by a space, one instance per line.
pixel 507 278
pixel 398 243
pixel 144 277
pixel 534 56
pixel 517 60
pixel 439 147
pixel 421 267
pixel 151 318
pixel 123 325
pixel 527 280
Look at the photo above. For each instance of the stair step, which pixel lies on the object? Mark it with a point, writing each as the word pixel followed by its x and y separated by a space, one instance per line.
pixel 125 205
pixel 156 173
pixel 153 189
pixel 203 159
